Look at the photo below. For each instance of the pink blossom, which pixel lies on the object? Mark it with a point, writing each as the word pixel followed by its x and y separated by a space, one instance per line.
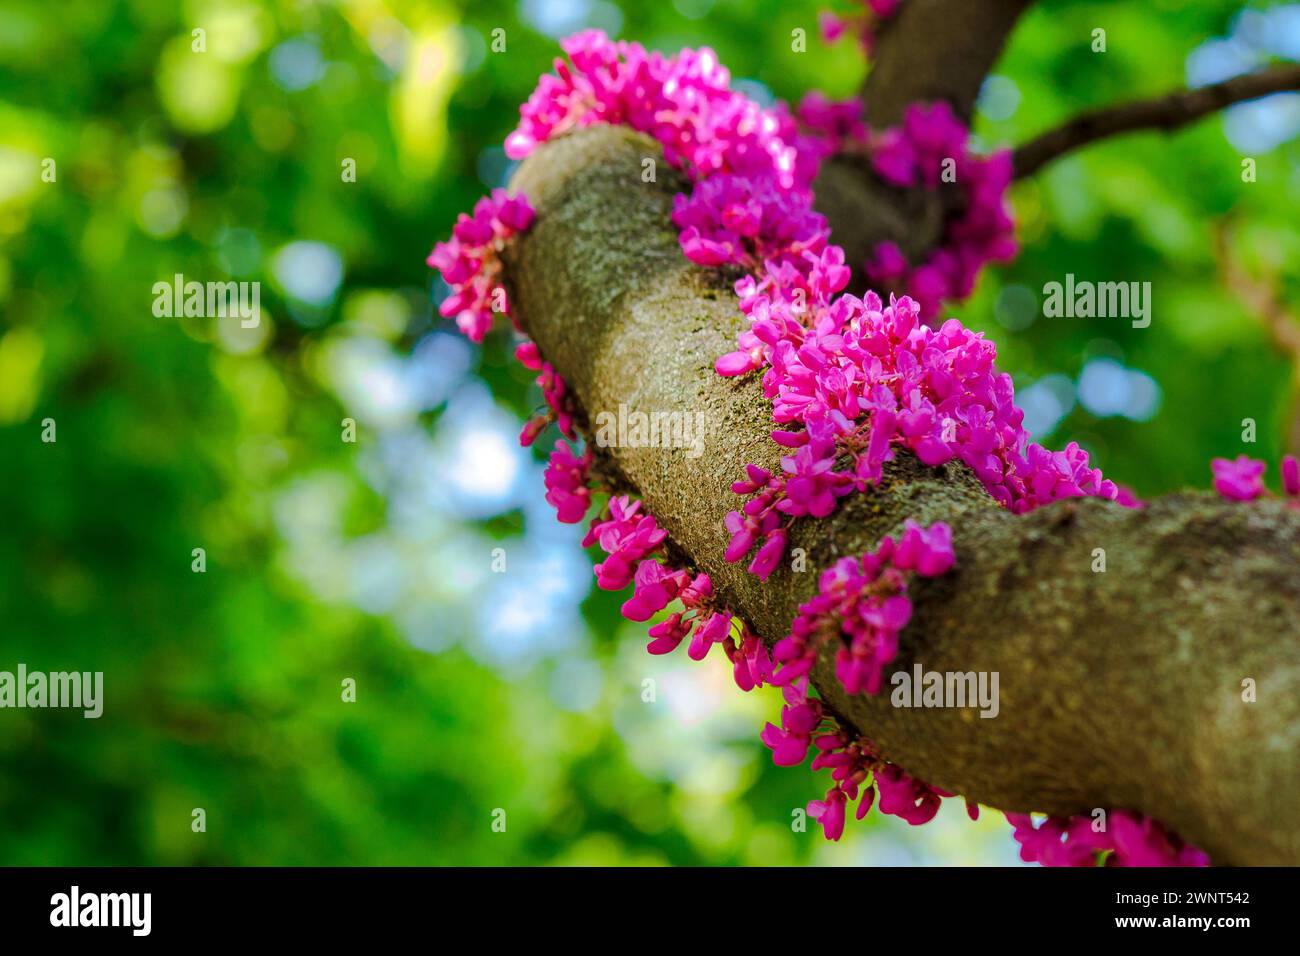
pixel 1240 480
pixel 927 551
pixel 747 219
pixel 668 634
pixel 906 797
pixel 470 260
pixel 830 812
pixel 655 588
pixel 712 627
pixel 627 536
pixel 751 665
pixel 800 718
pixel 566 483
pixel 1125 839
pixel 832 27
pixel 831 125
pixel 1291 476
pixel 684 101
pixel 554 392
pixel 873 13
pixel 632 540
pixel 867 599
pixel 929 142
pixel 1127 497
pixel 769 555
pixel 863 379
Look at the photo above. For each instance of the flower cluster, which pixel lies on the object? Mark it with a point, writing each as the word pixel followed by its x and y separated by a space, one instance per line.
pixel 831 126
pixel 554 392
pixel 863 379
pixel 851 760
pixel 931 146
pixel 862 604
pixel 858 377
pixel 1127 839
pixel 749 220
pixel 627 535
pixel 470 260
pixel 1243 479
pixel 632 539
pixel 684 101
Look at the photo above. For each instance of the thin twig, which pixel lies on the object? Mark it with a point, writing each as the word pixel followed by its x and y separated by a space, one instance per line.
pixel 1166 113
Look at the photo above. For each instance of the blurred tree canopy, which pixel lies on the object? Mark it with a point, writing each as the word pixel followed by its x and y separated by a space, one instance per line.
pixel 320 148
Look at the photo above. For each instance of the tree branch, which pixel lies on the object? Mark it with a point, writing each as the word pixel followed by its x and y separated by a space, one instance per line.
pixel 1118 689
pixel 936 50
pixel 1167 113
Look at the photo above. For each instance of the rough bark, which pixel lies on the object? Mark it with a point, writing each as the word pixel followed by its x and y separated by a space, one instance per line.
pixel 1118 689
pixel 936 50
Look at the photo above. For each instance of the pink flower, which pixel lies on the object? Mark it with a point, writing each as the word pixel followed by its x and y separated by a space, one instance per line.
pixel 668 634
pixel 1290 476
pixel 1240 480
pixel 927 551
pixel 904 796
pixel 656 587
pixel 684 101
pixel 470 261
pixel 832 125
pixel 1127 497
pixel 747 219
pixel 737 363
pixel 888 264
pixel 800 718
pixel 830 812
pixel 626 536
pixel 711 628
pixel 930 144
pixel 832 27
pixel 566 483
pixel 1124 839
pixel 751 666
pixel 866 22
pixel 769 555
pixel 863 378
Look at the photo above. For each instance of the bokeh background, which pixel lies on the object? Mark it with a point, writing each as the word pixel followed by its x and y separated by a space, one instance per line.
pixel 371 560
